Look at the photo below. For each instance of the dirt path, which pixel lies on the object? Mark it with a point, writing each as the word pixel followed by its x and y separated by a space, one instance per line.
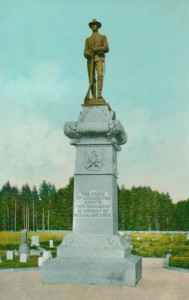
pixel 157 284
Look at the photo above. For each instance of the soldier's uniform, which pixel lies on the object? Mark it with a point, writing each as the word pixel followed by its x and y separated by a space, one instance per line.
pixel 95 60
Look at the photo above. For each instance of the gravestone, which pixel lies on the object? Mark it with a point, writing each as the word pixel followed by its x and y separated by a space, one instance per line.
pixel 51 244
pixel 24 248
pixel 95 253
pixel 41 260
pixel 24 236
pixel 35 240
pixel 166 261
pixel 16 253
pixel 35 252
pixel 47 255
pixel 41 249
pixel 23 258
pixel 9 255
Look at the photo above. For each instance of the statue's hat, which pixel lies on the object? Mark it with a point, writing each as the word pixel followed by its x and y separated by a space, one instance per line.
pixel 95 22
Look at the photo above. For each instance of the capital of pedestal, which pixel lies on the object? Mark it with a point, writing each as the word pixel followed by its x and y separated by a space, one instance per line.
pixel 96 122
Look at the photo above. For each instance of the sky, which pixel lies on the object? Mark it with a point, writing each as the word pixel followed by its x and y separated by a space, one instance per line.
pixel 43 81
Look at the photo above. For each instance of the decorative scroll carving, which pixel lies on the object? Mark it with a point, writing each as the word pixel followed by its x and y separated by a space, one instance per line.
pixel 68 240
pixel 70 130
pixel 116 131
pixel 117 241
pixel 113 241
pixel 96 122
pixel 123 242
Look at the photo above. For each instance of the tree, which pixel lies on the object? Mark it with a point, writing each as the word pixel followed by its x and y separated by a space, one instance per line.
pixel 46 192
pixel 15 196
pixel 123 208
pixel 66 208
pixel 139 208
pixel 35 199
pixel 26 205
pixel 143 209
pixel 182 215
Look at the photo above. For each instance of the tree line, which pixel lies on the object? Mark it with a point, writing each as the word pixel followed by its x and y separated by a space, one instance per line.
pixel 141 208
pixel 32 209
pixel 46 208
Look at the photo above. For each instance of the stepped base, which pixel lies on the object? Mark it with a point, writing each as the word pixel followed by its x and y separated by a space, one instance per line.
pixel 93 271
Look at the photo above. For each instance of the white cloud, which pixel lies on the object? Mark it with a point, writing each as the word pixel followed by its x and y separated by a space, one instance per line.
pixel 157 152
pixel 33 146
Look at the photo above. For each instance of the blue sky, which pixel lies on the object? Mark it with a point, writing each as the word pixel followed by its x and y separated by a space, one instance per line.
pixel 43 81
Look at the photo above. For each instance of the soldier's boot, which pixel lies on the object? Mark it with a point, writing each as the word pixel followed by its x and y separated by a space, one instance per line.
pixel 100 84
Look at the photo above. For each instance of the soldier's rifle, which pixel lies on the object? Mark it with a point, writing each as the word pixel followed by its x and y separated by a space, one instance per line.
pixel 91 79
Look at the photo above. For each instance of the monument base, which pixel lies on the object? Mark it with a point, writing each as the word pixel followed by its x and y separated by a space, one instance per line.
pixel 98 101
pixel 93 271
pixel 24 249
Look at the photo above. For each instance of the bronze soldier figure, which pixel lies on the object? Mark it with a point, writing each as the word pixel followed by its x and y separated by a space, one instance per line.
pixel 95 48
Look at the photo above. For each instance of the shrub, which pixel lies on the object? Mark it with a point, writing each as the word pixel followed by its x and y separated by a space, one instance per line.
pixel 151 252
pixel 179 262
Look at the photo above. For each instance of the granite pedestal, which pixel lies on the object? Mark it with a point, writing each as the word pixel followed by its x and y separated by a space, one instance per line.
pixel 95 253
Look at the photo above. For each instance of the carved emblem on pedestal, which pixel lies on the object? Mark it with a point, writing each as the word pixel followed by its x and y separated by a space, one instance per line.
pixel 93 159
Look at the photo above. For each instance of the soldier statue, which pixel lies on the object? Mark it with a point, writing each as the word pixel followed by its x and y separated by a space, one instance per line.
pixel 95 48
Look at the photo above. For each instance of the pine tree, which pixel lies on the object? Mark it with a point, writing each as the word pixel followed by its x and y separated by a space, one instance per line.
pixel 26 196
pixel 66 210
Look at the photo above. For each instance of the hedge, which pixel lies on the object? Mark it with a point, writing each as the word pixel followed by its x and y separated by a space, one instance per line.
pixel 179 262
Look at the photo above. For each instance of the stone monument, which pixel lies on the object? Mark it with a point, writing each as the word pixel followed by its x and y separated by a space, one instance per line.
pixel 35 240
pixel 23 257
pixel 95 253
pixel 51 244
pixel 24 248
pixel 10 254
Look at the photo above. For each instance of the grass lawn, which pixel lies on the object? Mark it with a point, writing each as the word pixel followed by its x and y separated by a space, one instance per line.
pixel 158 245
pixel 143 244
pixel 12 240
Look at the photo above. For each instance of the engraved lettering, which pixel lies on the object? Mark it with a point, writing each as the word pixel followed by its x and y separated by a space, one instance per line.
pixel 93 204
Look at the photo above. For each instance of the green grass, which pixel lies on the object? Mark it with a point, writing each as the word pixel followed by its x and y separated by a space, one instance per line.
pixel 158 245
pixel 179 262
pixel 12 240
pixel 15 238
pixel 6 264
pixel 151 245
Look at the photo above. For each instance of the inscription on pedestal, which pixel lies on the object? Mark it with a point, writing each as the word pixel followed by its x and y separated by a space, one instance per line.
pixel 93 204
